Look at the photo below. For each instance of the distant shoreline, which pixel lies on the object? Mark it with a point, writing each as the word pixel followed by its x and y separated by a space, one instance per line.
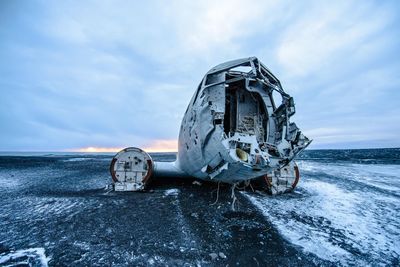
pixel 69 153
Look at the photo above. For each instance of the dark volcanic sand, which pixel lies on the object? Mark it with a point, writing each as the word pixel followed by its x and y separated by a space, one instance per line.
pixel 59 203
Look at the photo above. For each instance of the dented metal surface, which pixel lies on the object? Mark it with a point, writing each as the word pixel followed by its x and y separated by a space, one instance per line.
pixel 236 129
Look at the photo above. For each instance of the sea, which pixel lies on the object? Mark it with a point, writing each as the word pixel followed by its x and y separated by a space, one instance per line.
pixel 56 210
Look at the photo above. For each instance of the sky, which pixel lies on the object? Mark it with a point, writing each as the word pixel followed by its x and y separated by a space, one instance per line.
pixel 104 75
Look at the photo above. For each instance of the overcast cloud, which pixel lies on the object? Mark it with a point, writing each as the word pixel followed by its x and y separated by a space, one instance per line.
pixel 75 74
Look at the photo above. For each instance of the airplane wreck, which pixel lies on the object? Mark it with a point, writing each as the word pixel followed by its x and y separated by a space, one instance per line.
pixel 236 129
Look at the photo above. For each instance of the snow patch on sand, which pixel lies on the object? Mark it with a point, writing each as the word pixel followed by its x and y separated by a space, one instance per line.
pixel 171 192
pixel 337 221
pixel 381 176
pixel 77 159
pixel 28 257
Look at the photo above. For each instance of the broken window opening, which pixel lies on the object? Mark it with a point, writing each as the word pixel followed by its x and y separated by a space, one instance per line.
pixel 217 121
pixel 230 110
pixel 211 78
pixel 245 112
pixel 276 98
pixel 244 69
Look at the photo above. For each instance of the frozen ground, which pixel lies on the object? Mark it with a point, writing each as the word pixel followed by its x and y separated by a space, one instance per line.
pixel 344 213
pixel 55 211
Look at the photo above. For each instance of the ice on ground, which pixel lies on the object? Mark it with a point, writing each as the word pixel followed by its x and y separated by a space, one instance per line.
pixel 171 192
pixel 336 214
pixel 78 159
pixel 381 176
pixel 30 257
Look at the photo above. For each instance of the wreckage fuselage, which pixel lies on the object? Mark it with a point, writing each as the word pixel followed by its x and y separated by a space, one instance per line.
pixel 236 128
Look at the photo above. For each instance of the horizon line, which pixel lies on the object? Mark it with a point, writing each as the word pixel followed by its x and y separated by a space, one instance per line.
pixel 109 151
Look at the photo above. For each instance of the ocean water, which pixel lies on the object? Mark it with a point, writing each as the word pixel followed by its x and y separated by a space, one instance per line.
pixel 55 211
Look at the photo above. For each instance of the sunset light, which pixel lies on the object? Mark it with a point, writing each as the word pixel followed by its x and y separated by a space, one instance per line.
pixel 155 146
pixel 162 146
pixel 92 149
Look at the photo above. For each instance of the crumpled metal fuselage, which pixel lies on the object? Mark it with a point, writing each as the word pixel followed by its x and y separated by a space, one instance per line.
pixel 233 129
pixel 236 129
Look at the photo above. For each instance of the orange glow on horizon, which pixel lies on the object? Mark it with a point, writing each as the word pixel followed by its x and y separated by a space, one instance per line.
pixel 93 149
pixel 162 146
pixel 155 146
